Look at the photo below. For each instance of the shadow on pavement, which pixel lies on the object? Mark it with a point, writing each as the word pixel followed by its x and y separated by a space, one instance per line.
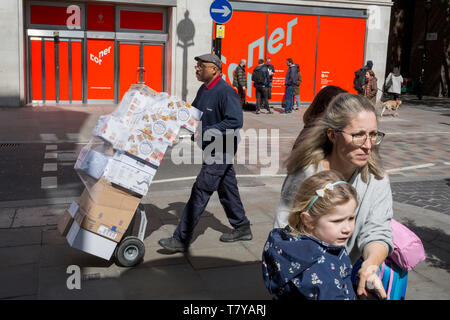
pixel 171 215
pixel 433 241
pixel 168 278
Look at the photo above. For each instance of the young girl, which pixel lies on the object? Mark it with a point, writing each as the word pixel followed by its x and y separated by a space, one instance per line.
pixel 308 259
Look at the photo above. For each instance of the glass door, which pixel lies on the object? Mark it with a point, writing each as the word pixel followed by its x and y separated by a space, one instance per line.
pixel 55 70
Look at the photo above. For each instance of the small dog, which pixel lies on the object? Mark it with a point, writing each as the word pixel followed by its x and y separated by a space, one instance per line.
pixel 391 105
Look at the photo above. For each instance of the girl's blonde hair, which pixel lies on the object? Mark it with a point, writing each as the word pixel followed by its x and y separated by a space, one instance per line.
pixel 341 194
pixel 315 145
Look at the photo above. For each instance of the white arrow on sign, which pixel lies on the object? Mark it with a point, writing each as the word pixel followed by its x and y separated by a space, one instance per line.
pixel 225 11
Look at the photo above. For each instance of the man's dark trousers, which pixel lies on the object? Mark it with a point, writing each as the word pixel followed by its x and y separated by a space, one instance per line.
pixel 261 98
pixel 241 95
pixel 289 97
pixel 212 177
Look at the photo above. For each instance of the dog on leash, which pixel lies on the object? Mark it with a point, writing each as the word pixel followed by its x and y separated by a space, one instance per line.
pixel 391 106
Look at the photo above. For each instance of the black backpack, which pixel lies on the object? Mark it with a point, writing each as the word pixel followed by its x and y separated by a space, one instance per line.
pixel 258 76
pixel 360 79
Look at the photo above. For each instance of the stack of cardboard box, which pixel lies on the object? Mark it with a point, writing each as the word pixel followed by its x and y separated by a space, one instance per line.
pixel 118 165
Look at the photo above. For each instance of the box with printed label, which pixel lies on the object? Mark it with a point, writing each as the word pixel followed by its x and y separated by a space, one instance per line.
pixel 188 116
pixel 113 130
pixel 132 174
pixel 107 210
pixel 146 147
pixel 161 126
pixel 89 242
pixel 131 108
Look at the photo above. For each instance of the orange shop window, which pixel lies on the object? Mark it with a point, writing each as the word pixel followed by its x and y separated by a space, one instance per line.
pixel 100 69
pixel 340 53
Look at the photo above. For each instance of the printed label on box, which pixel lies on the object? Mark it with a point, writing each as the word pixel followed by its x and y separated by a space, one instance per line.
pixel 104 231
pixel 130 173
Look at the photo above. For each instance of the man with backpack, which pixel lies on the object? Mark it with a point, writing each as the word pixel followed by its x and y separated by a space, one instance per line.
pixel 260 78
pixel 240 81
pixel 360 77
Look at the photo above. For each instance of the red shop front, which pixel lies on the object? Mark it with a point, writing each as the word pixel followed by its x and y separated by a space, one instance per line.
pixel 92 53
pixel 328 44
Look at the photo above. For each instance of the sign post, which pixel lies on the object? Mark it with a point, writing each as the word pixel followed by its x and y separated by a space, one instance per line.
pixel 221 12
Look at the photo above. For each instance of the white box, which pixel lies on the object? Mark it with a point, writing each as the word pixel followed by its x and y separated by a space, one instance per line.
pixel 113 130
pixel 89 242
pixel 188 116
pixel 131 108
pixel 145 147
pixel 129 173
pixel 92 162
pixel 161 126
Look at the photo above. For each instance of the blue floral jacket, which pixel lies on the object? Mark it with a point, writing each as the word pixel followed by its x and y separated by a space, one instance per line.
pixel 306 265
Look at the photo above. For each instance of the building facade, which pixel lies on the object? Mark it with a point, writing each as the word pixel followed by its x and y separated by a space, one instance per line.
pixel 419 39
pixel 83 52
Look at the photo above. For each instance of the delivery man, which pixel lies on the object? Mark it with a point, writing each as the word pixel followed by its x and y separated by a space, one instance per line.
pixel 222 116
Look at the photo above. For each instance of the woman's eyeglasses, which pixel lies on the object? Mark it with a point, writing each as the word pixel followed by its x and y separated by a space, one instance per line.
pixel 359 139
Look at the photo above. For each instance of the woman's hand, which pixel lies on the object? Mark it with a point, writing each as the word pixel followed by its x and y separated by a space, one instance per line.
pixel 374 255
pixel 368 273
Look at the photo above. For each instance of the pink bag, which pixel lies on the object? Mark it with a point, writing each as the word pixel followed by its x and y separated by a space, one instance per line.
pixel 408 249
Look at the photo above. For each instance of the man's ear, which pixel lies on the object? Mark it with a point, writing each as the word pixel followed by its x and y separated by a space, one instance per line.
pixel 331 134
pixel 307 220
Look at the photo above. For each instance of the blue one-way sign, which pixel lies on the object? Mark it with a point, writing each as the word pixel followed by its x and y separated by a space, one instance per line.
pixel 220 11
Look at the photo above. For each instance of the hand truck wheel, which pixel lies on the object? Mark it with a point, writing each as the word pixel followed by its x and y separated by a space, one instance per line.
pixel 129 252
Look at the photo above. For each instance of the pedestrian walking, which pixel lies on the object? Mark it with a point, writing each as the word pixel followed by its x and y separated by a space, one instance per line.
pixel 308 259
pixel 240 81
pixel 260 78
pixel 222 113
pixel 345 139
pixel 360 77
pixel 297 88
pixel 271 73
pixel 290 83
pixel 370 88
pixel 393 84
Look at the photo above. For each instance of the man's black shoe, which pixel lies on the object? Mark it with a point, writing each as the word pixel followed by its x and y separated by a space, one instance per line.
pixel 238 234
pixel 173 245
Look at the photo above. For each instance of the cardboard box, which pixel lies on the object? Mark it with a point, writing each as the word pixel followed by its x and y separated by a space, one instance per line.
pixel 65 223
pixel 67 219
pixel 132 174
pixel 103 193
pixel 107 210
pixel 89 242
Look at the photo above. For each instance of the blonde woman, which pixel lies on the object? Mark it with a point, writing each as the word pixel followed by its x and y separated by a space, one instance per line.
pixel 347 140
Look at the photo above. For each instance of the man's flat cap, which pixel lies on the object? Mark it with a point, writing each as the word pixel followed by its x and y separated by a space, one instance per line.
pixel 209 57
